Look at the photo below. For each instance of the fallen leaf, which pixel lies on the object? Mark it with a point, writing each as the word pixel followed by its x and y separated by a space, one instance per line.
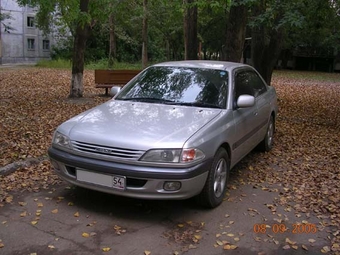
pixel 220 243
pixel 106 249
pixel 325 249
pixel 23 214
pixel 34 222
pixel 86 235
pixel 147 252
pixel 290 241
pixel 230 247
pixel 286 247
pixel 198 237
pixel 304 247
pixel 76 214
pixel 55 211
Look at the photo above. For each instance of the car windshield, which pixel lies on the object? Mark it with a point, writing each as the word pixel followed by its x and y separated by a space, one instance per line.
pixel 179 86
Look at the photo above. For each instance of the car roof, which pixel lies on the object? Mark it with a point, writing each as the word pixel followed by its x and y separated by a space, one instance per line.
pixel 209 64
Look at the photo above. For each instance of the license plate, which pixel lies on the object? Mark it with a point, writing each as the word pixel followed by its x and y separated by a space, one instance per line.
pixel 112 181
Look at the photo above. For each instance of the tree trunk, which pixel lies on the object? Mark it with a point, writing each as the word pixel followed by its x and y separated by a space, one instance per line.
pixel 190 30
pixel 145 35
pixel 266 45
pixel 236 31
pixel 81 35
pixel 265 55
pixel 112 47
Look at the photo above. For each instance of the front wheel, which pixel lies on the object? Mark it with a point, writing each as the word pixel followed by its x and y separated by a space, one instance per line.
pixel 216 184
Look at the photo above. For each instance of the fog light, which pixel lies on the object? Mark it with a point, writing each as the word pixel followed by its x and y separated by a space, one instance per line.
pixel 172 186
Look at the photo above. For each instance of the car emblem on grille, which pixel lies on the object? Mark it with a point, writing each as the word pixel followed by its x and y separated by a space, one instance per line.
pixel 102 150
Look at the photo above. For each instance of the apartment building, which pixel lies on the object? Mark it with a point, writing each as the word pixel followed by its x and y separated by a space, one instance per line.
pixel 25 43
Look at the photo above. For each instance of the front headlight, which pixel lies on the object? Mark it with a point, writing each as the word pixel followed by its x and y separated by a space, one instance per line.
pixel 173 155
pixel 61 140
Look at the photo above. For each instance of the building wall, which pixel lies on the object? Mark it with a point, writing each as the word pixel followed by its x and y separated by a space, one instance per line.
pixel 25 43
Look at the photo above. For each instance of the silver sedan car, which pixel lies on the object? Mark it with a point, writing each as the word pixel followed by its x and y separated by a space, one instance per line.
pixel 173 132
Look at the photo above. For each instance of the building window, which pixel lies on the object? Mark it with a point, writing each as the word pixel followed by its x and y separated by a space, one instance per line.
pixel 46 45
pixel 30 44
pixel 30 21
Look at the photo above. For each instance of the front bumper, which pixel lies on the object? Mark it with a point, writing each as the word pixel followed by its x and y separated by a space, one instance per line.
pixel 141 181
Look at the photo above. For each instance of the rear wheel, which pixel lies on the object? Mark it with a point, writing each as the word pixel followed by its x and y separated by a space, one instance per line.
pixel 215 187
pixel 267 142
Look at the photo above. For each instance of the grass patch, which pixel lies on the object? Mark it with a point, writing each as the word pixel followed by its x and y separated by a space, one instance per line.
pixel 57 63
pixel 307 75
pixel 101 64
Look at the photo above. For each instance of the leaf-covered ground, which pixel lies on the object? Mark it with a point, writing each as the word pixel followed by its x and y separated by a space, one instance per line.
pixel 305 162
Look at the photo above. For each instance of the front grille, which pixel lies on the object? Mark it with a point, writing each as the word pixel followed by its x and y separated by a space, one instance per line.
pixel 114 152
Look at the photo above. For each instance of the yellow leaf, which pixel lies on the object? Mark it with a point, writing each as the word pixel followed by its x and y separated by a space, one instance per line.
pixel 55 211
pixel 311 240
pixel 70 204
pixel 229 247
pixel 251 168
pixel 22 203
pixel 304 247
pixel 40 205
pixel 34 222
pixel 2 245
pixel 51 246
pixel 85 235
pixel 23 214
pixel 76 214
pixel 218 235
pixel 106 249
pixel 290 241
pixel 325 249
pixel 147 252
pixel 295 247
pixel 220 243
pixel 231 235
pixel 198 237
pixel 180 225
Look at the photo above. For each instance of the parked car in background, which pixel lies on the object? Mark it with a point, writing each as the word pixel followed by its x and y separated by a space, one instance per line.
pixel 173 132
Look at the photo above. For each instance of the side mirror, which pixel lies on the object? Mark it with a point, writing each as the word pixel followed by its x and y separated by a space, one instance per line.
pixel 245 101
pixel 114 91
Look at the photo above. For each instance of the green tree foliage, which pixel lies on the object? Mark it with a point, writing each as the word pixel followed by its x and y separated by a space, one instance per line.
pixel 79 16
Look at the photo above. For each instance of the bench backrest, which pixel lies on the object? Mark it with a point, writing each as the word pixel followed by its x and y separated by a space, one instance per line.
pixel 116 77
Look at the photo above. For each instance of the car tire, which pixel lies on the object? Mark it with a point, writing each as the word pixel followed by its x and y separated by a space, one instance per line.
pixel 215 187
pixel 267 142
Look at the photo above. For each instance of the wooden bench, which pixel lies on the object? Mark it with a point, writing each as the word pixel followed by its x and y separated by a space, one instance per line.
pixel 109 78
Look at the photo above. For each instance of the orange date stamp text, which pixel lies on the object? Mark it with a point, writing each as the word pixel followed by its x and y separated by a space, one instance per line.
pixel 297 228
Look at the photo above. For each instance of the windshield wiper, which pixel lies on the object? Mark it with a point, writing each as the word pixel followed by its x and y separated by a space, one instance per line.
pixel 197 104
pixel 146 99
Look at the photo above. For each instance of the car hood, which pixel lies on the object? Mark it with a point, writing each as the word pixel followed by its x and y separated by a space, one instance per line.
pixel 138 125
